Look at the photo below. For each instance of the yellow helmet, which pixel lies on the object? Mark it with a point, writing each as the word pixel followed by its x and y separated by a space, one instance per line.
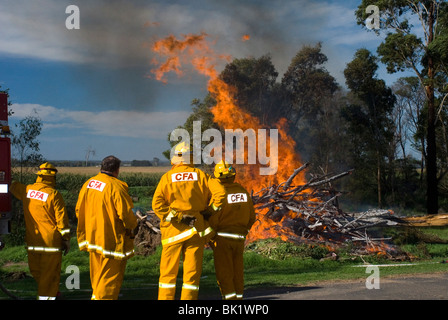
pixel 47 169
pixel 182 152
pixel 182 148
pixel 224 170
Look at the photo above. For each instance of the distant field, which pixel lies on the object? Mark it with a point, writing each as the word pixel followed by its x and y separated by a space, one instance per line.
pixel 94 170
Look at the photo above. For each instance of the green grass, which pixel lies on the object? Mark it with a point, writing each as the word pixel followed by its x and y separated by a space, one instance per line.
pixel 282 266
pixel 142 196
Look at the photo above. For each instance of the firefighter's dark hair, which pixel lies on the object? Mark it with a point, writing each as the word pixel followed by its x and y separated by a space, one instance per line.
pixel 110 164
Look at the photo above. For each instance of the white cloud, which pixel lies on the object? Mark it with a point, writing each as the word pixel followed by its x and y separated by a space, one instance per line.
pixel 113 123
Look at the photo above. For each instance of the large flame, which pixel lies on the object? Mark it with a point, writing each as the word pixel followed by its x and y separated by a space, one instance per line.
pixel 195 50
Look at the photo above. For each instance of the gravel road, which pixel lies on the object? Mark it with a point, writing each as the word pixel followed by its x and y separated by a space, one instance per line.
pixel 413 287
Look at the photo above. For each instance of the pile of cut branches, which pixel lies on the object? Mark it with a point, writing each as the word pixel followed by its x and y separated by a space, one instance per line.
pixel 309 213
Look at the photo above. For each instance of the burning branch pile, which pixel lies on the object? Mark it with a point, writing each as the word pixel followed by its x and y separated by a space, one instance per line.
pixel 309 213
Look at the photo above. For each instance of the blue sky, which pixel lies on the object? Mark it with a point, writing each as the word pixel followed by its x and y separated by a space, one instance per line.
pixel 92 87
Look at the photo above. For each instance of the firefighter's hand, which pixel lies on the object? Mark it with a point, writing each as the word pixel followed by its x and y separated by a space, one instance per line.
pixel 134 232
pixel 173 214
pixel 212 244
pixel 188 220
pixel 65 246
pixel 206 214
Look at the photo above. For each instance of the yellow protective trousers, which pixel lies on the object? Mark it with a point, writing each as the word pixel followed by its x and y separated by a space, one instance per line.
pixel 106 276
pixel 229 267
pixel 46 270
pixel 192 251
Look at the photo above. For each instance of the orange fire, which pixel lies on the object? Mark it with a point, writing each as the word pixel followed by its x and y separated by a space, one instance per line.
pixel 245 37
pixel 195 50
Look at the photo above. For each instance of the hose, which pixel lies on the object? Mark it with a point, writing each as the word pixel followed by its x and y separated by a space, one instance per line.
pixel 9 294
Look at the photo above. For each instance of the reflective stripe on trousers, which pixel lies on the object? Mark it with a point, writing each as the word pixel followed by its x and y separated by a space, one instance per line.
pixel 190 287
pixel 173 285
pixel 45 298
pixel 167 285
pixel 106 276
pixel 168 290
pixel 233 296
pixel 191 250
pixel 229 266
pixel 46 270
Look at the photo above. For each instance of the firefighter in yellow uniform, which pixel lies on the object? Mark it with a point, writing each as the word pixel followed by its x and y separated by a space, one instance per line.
pixel 106 226
pixel 180 196
pixel 47 229
pixel 231 224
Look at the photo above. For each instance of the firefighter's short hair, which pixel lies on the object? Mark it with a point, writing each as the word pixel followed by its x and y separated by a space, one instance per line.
pixel 110 164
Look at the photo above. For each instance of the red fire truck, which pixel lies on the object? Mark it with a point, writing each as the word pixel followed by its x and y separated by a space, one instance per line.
pixel 5 168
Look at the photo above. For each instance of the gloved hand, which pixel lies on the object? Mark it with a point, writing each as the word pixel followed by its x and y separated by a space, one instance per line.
pixel 173 215
pixel 65 246
pixel 133 233
pixel 206 213
pixel 188 220
pixel 212 243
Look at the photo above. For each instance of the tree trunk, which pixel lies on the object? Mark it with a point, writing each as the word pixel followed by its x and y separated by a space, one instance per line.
pixel 422 161
pixel 378 177
pixel 432 196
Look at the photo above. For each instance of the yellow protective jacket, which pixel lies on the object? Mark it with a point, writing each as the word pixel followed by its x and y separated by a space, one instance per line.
pixel 218 197
pixel 237 214
pixel 181 191
pixel 105 217
pixel 46 218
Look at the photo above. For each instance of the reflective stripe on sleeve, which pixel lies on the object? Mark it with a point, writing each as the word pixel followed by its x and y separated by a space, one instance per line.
pixel 206 232
pixel 231 235
pixel 64 231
